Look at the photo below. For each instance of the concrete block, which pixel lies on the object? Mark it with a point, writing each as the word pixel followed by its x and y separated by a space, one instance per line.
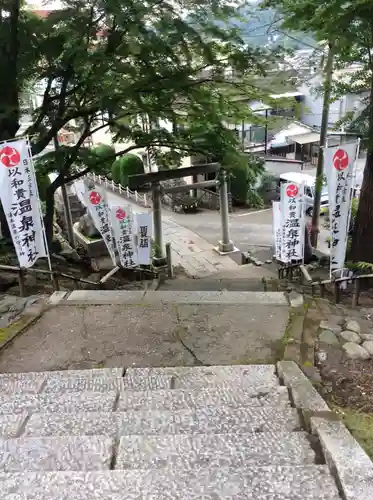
pixel 178 399
pixel 304 395
pixel 56 298
pixel 105 297
pixel 143 379
pixel 57 402
pixel 344 455
pixel 55 454
pixel 180 297
pixel 213 450
pixel 310 482
pixel 10 425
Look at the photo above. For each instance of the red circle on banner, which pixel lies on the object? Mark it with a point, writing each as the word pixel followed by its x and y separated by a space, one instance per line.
pixel 9 156
pixel 292 190
pixel 120 214
pixel 340 159
pixel 95 198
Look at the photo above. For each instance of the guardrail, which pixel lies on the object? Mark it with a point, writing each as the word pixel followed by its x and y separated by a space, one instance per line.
pixel 139 198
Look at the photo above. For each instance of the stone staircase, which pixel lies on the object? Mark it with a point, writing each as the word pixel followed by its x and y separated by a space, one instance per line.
pixel 221 432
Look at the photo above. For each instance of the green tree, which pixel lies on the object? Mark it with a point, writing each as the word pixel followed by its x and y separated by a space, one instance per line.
pixel 103 65
pixel 350 26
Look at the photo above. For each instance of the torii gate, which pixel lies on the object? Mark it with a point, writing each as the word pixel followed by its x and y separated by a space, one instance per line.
pixel 151 182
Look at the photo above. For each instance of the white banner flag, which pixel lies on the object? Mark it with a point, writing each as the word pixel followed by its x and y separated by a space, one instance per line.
pixel 95 201
pixel 277 229
pixel 144 232
pixel 339 168
pixel 20 199
pixel 123 227
pixel 292 222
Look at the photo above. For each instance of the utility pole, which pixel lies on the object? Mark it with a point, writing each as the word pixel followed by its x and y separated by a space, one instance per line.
pixel 315 225
pixel 66 205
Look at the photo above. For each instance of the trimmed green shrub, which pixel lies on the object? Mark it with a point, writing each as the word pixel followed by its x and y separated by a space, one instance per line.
pixel 125 166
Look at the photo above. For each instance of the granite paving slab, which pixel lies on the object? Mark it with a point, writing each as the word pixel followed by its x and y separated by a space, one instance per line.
pixel 188 421
pixel 10 425
pixel 56 454
pixel 57 402
pixel 208 420
pixel 213 450
pixel 309 482
pixel 73 424
pixel 24 385
pixel 78 384
pixel 65 374
pixel 200 376
pixel 176 399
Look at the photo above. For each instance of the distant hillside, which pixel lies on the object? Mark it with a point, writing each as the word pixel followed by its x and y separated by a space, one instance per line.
pixel 260 29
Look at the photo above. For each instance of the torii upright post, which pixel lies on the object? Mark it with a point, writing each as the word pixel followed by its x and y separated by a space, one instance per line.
pixel 159 258
pixel 226 244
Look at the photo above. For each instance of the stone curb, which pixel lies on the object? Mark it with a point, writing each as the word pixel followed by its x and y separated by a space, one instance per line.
pixel 303 394
pixel 26 320
pixel 351 466
pixel 95 297
pixel 347 461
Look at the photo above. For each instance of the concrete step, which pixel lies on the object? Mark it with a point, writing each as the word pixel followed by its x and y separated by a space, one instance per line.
pixel 178 399
pixel 75 453
pixel 195 377
pixel 213 450
pixel 310 482
pixel 57 402
pixel 175 297
pixel 209 420
pixel 215 284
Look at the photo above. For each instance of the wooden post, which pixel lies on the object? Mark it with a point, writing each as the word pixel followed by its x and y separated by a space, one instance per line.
pixel 337 292
pixel 21 282
pixel 55 282
pixel 322 290
pixel 356 293
pixel 170 270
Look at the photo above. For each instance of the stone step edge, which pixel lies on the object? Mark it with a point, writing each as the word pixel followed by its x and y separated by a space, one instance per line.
pixel 349 464
pixel 104 484
pixel 114 297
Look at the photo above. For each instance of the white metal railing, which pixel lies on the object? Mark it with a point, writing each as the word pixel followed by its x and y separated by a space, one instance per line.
pixel 139 198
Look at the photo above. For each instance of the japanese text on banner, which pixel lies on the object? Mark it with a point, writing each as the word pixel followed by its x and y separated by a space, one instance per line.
pixel 98 208
pixel 20 199
pixel 123 227
pixel 292 221
pixel 339 167
pixel 144 231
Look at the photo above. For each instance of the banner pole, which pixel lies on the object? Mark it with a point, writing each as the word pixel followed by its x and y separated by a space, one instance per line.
pixel 352 190
pixel 40 210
